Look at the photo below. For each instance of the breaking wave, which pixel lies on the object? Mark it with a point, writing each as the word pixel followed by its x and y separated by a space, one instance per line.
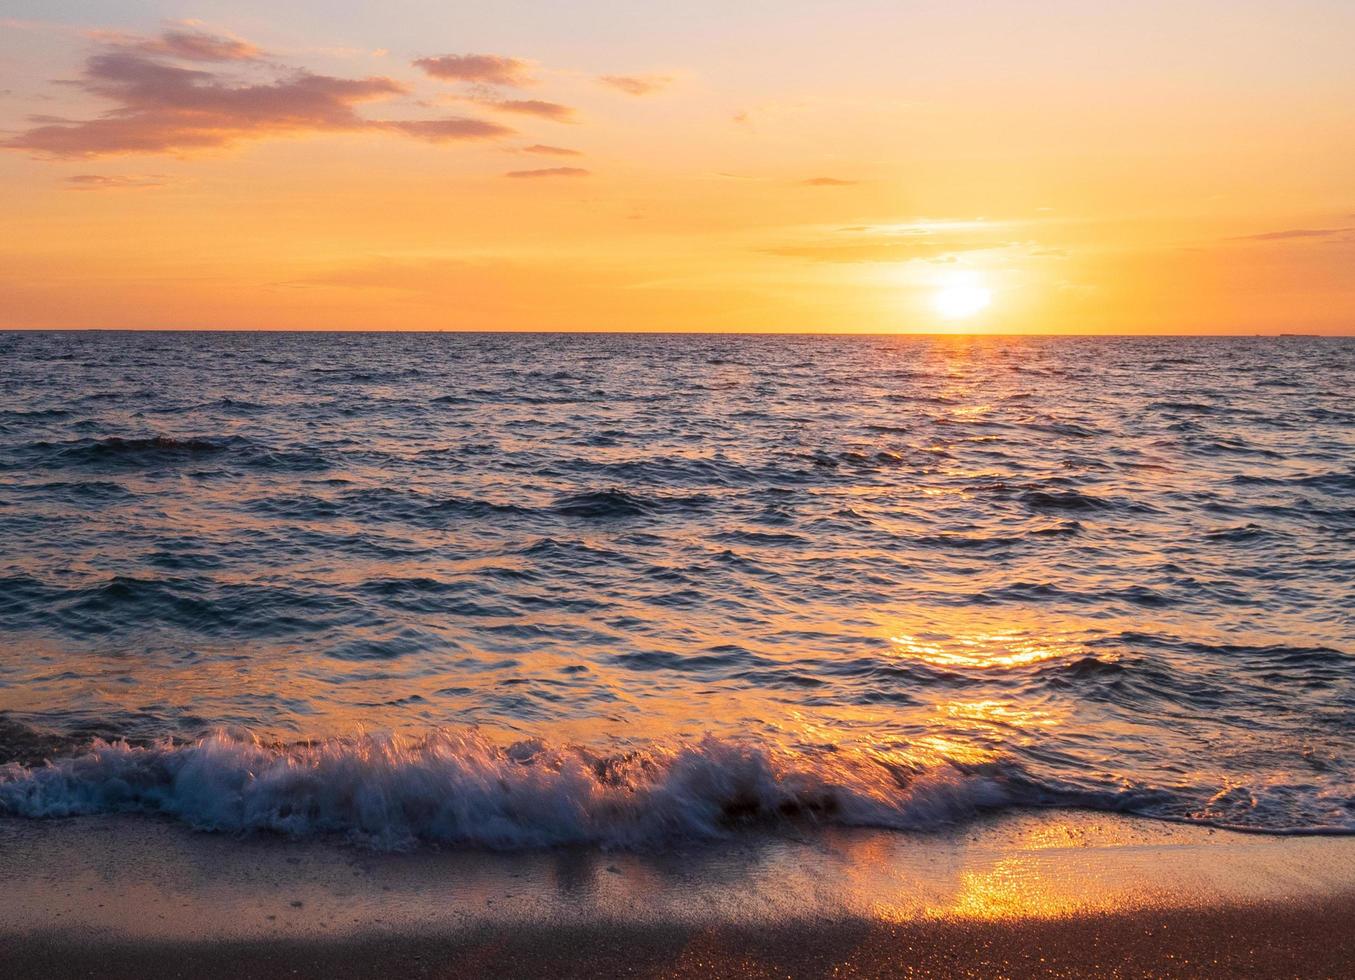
pixel 456 787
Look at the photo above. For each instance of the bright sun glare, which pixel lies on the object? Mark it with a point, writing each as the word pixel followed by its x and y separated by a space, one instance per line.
pixel 962 294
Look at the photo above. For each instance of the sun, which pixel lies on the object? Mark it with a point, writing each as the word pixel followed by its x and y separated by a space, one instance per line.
pixel 961 294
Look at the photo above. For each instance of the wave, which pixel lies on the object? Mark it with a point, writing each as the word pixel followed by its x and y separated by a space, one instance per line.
pixel 161 450
pixel 412 507
pixel 85 491
pixel 1244 532
pixel 456 787
pixel 383 504
pixel 1334 482
pixel 33 415
pixel 1200 408
pixel 1063 500
pixel 164 447
pixel 195 603
pixel 605 504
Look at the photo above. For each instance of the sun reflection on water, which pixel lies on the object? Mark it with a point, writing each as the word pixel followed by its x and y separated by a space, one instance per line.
pixel 981 650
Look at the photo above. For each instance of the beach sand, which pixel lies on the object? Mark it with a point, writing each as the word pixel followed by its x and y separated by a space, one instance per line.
pixel 1039 894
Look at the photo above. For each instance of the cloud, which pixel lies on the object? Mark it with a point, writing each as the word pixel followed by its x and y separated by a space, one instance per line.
pixel 1293 233
pixel 549 172
pixel 636 84
pixel 887 251
pixel 828 182
pixel 551 151
pixel 486 69
pixel 443 130
pixel 531 107
pixel 164 107
pixel 194 45
pixel 102 182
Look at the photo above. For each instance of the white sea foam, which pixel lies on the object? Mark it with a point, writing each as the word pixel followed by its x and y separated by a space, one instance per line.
pixel 456 787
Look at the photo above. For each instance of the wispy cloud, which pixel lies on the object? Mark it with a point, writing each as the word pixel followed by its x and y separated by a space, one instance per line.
pixel 444 130
pixel 636 84
pixel 551 151
pixel 549 172
pixel 1294 233
pixel 828 182
pixel 105 182
pixel 160 106
pixel 187 43
pixel 886 251
pixel 485 69
pixel 553 111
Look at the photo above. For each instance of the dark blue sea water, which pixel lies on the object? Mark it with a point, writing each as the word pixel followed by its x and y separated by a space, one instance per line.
pixel 527 589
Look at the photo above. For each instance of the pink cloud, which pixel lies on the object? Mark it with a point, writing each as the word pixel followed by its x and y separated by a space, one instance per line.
pixel 531 107
pixel 102 182
pixel 163 107
pixel 442 130
pixel 636 84
pixel 198 46
pixel 883 249
pixel 549 172
pixel 486 69
pixel 551 151
pixel 1294 233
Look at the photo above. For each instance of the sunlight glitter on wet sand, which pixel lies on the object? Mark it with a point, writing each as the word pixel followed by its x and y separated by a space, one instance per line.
pixel 1029 894
pixel 154 880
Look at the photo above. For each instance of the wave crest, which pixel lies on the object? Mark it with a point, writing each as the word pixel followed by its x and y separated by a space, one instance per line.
pixel 456 787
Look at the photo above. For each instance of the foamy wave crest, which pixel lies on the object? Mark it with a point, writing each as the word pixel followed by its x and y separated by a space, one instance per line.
pixel 457 787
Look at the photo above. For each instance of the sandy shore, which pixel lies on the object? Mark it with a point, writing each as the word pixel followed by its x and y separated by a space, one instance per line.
pixel 1302 941
pixel 1034 895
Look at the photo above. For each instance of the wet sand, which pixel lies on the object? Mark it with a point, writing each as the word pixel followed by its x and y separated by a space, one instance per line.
pixel 1053 894
pixel 1298 941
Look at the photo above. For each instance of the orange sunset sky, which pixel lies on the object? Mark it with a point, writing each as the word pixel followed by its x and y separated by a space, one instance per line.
pixel 998 166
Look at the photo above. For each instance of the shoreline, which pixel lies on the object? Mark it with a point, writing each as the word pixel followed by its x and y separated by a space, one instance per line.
pixel 1034 893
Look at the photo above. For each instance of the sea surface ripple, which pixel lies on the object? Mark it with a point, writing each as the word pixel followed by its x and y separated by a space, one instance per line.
pixel 526 589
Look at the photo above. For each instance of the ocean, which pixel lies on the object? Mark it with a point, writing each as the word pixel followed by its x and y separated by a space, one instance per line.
pixel 520 590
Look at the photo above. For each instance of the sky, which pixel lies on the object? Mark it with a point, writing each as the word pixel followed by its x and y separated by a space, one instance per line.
pixel 968 166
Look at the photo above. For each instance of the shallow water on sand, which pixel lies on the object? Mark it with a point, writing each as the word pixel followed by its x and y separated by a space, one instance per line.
pixel 525 589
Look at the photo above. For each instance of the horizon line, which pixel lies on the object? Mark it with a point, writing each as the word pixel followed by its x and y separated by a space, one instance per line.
pixel 809 332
